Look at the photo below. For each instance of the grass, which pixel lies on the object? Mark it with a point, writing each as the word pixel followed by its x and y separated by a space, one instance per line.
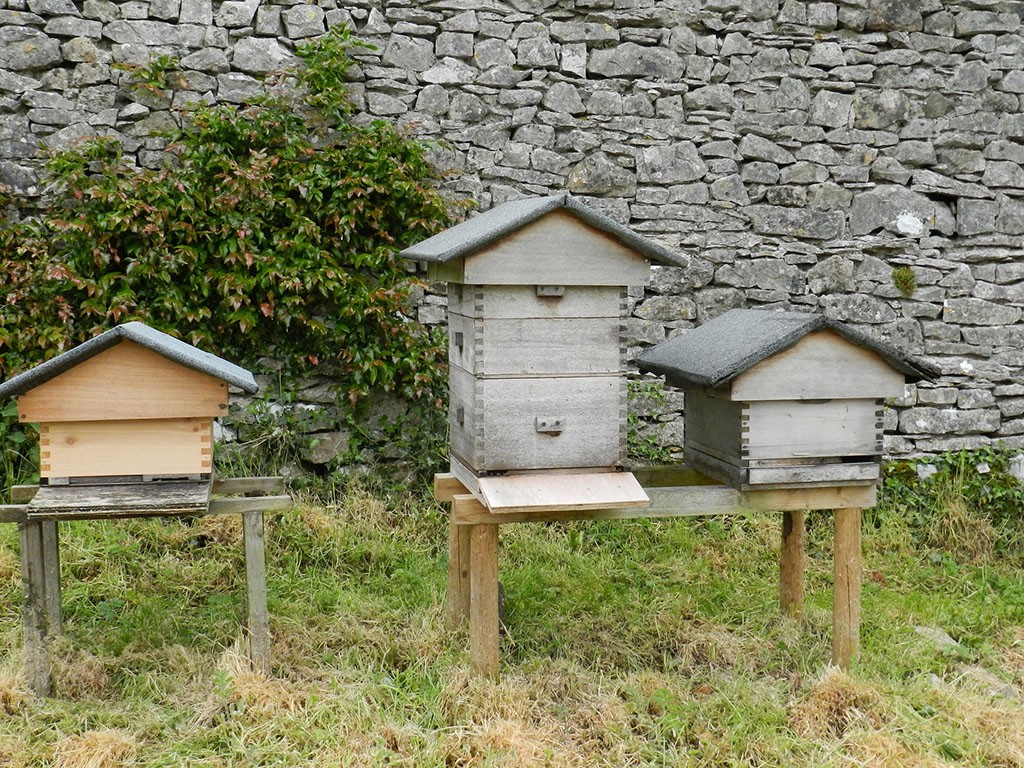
pixel 644 643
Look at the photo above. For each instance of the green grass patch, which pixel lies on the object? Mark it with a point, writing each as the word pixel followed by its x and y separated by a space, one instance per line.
pixel 641 643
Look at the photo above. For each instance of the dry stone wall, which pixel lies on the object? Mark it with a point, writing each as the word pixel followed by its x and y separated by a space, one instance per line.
pixel 796 153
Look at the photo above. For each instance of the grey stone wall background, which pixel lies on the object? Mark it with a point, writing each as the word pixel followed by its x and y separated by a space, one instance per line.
pixel 795 152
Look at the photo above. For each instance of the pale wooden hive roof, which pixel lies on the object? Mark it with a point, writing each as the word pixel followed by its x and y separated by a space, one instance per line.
pixel 173 349
pixel 720 350
pixel 478 232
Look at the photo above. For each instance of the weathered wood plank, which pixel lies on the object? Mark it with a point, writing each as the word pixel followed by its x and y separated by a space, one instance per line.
pixel 126 447
pixel 37 662
pixel 508 494
pixel 256 591
pixel 459 556
pixel 22 494
pixel 840 370
pixel 714 425
pixel 535 347
pixel 796 429
pixel 823 474
pixel 236 505
pixel 121 500
pixel 665 502
pixel 447 486
pixel 811 498
pixel 51 577
pixel 483 600
pixel 239 485
pixel 499 302
pixel 538 250
pixel 136 383
pixel 846 587
pixel 791 564
pixel 13 513
pixel 495 436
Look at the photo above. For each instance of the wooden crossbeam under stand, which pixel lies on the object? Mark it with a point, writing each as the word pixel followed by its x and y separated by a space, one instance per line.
pixel 40 550
pixel 473 548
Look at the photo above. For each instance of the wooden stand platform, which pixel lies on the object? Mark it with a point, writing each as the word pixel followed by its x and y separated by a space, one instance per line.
pixel 674 492
pixel 37 512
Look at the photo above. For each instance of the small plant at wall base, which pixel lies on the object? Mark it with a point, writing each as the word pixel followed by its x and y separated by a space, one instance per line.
pixel 275 233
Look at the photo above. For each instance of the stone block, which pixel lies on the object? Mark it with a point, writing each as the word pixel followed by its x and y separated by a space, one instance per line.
pixel 974 217
pixel 493 53
pixel 973 311
pixel 450 71
pixel 411 53
pixel 754 147
pixel 26 49
pixel 948 421
pixel 537 52
pixel 261 56
pixel 899 210
pixel 632 60
pixel 564 97
pixel 235 13
pixel 831 109
pixel 795 222
pixel 74 26
pixel 597 174
pixel 970 23
pixel 671 164
pixel 458 44
pixel 305 20
pixel 880 109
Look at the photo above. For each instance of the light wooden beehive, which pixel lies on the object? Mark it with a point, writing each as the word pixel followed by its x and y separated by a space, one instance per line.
pixel 130 403
pixel 783 399
pixel 537 346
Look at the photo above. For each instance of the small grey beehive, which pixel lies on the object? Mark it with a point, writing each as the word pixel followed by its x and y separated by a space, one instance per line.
pixel 536 314
pixel 783 399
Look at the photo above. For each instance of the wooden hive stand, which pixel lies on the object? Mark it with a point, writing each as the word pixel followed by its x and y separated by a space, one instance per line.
pixel 38 518
pixel 126 430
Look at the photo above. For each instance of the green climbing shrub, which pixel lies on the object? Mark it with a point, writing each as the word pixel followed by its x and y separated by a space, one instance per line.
pixel 272 230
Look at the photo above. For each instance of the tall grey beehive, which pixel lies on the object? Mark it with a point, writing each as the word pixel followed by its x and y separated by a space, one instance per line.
pixel 536 320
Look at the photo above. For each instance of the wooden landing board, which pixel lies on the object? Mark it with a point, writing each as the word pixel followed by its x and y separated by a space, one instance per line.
pixel 85 502
pixel 548 492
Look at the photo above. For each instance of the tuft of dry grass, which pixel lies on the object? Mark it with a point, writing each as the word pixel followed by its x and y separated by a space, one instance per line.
pixel 96 749
pixel 957 528
pixel 10 568
pixel 883 749
pixel 78 674
pixel 215 529
pixel 242 692
pixel 836 705
pixel 13 694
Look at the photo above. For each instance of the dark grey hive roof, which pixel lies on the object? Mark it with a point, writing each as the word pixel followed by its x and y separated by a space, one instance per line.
pixel 720 350
pixel 483 229
pixel 168 346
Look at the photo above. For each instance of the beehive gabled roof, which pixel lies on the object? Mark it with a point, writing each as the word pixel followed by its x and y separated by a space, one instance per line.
pixel 478 232
pixel 140 333
pixel 720 350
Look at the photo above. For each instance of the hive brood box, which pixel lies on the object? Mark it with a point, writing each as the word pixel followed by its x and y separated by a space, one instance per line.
pixel 783 399
pixel 132 403
pixel 537 342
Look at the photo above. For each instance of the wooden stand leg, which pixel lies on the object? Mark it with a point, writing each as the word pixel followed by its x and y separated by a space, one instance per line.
pixel 483 602
pixel 458 574
pixel 846 586
pixel 791 565
pixel 51 578
pixel 256 592
pixel 37 663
